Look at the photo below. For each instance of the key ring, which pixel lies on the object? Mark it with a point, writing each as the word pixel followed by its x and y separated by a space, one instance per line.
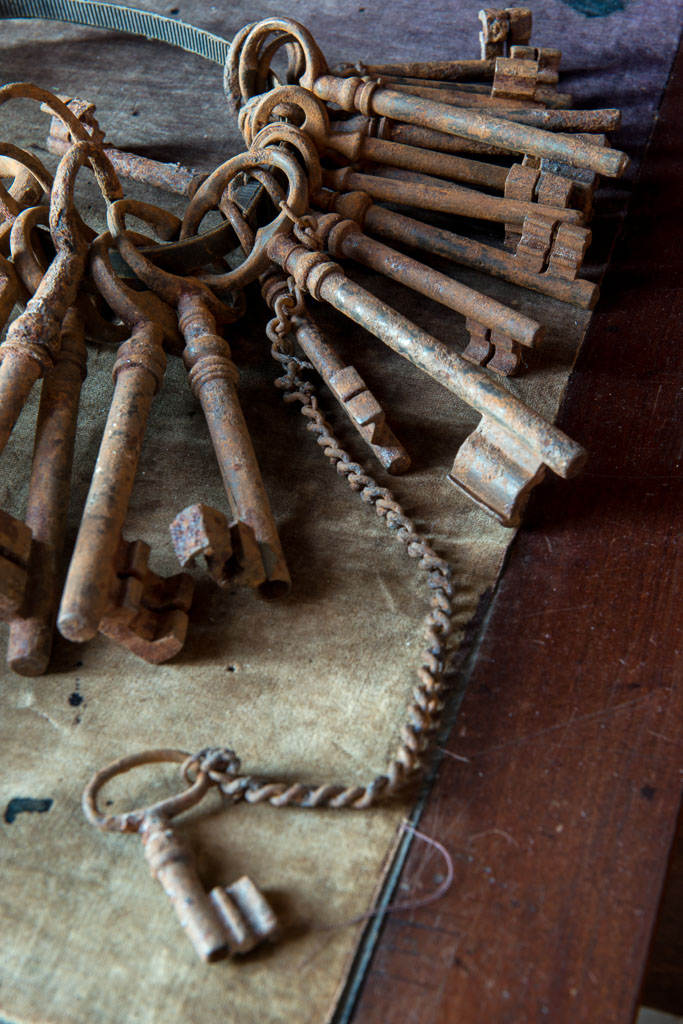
pixel 132 821
pixel 208 196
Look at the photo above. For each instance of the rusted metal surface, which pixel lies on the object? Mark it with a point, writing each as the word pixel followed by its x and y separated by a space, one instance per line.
pixel 521 444
pixel 230 550
pixel 444 198
pixel 345 383
pixel 502 28
pixel 437 70
pixel 94 594
pixel 495 105
pixel 224 922
pixel 213 378
pixel 30 637
pixel 175 178
pixel 344 238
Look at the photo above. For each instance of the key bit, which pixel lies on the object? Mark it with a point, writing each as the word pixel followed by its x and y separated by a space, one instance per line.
pixel 146 613
pixel 231 551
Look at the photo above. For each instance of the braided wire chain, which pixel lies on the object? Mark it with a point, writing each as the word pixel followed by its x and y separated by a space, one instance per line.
pixel 426 700
pixel 425 704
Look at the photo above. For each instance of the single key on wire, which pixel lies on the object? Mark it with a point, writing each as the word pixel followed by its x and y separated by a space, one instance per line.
pixel 227 921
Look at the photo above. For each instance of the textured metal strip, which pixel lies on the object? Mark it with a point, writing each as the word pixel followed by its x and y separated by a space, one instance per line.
pixel 122 19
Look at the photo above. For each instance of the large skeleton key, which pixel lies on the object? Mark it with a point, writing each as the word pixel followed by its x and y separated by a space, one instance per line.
pixel 104 589
pixel 213 378
pixel 444 198
pixel 498 465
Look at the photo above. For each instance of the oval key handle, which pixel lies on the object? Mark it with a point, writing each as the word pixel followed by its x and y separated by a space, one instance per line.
pixel 208 197
pixel 166 809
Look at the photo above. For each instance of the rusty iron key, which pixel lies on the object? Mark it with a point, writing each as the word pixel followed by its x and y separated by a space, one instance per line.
pixel 32 627
pixel 109 586
pixel 228 920
pixel 506 328
pixel 547 259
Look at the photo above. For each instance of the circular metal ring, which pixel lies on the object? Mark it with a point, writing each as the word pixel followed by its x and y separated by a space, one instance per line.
pixel 208 196
pixel 131 820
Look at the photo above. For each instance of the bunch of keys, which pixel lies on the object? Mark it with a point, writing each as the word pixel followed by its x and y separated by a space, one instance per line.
pixel 328 181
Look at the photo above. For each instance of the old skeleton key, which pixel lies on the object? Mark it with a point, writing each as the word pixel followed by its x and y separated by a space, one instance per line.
pixel 109 587
pixel 224 922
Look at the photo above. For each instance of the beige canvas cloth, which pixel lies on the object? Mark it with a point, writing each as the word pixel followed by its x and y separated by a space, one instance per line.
pixel 313 687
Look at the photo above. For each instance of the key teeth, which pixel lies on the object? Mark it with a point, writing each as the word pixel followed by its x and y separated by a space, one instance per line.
pixel 231 551
pixel 201 530
pixel 147 613
pixel 246 914
pixel 496 480
pixel 492 349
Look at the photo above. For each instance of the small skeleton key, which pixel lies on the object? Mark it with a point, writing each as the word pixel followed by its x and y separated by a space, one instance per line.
pixel 224 922
pixel 346 384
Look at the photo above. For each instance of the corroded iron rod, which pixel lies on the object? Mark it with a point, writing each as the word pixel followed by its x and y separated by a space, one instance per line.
pixel 448 198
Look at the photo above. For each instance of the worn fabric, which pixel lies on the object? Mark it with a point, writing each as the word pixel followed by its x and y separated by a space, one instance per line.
pixel 312 687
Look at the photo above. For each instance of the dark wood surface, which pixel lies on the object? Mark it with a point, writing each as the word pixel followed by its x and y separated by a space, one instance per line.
pixel 561 808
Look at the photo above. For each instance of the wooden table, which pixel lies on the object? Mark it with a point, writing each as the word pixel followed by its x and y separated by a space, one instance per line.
pixel 568 740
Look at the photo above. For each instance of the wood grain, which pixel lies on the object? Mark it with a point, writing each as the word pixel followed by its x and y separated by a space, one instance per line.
pixel 561 807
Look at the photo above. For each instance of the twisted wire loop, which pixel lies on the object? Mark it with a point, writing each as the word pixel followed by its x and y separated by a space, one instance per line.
pixel 425 704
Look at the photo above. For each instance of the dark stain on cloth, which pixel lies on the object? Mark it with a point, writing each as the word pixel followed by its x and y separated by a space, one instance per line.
pixel 23 804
